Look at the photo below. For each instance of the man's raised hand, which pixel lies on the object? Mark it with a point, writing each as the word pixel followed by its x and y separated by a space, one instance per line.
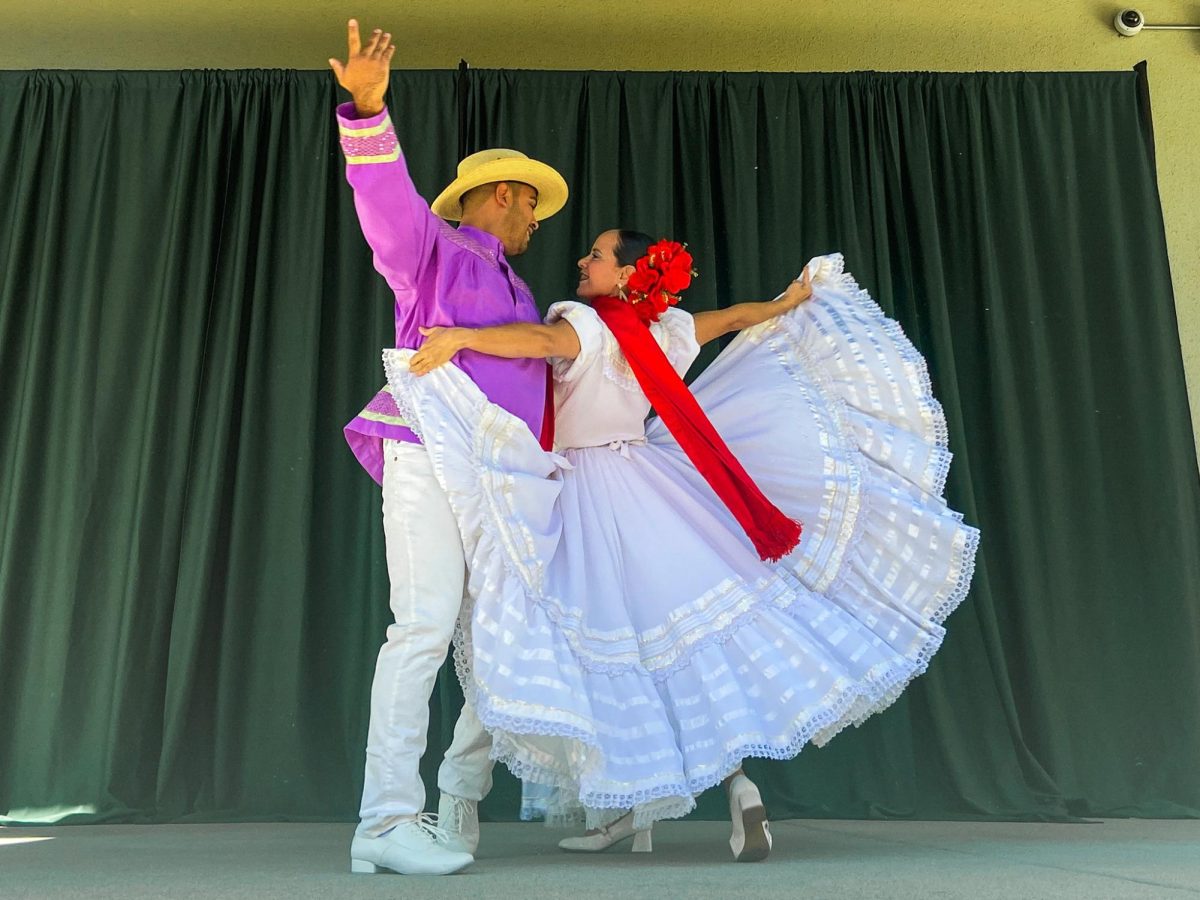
pixel 365 73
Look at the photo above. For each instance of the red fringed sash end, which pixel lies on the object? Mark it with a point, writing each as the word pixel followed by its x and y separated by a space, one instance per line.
pixel 776 543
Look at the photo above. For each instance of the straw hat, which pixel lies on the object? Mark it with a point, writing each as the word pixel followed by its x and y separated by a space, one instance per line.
pixel 500 164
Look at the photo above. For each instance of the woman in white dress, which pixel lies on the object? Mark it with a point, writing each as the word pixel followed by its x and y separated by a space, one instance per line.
pixel 641 617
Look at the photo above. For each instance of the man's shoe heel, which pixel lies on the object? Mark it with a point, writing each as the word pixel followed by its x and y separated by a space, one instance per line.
pixel 365 867
pixel 642 842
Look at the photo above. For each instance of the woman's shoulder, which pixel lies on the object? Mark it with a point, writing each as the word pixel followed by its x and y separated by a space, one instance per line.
pixel 675 318
pixel 570 310
pixel 593 344
pixel 676 323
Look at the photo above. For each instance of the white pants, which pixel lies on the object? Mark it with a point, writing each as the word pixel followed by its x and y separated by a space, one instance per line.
pixel 427 573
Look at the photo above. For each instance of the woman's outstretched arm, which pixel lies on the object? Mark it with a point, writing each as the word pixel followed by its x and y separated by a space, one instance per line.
pixel 515 341
pixel 712 324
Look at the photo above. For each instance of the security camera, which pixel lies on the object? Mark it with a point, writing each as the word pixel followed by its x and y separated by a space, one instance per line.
pixel 1129 22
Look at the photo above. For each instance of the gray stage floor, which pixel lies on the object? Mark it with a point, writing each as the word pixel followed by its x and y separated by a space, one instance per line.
pixel 812 859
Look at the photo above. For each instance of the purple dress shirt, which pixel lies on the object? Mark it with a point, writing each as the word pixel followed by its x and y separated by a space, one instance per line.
pixel 440 276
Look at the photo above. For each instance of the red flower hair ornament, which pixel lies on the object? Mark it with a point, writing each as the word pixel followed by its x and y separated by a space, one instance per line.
pixel 658 279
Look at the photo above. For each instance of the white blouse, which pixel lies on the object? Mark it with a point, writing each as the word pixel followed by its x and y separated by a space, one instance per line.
pixel 597 399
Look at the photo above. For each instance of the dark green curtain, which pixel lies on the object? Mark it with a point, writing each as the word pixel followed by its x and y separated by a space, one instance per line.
pixel 192 587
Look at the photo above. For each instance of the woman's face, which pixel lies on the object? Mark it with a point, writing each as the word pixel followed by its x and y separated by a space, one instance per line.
pixel 599 273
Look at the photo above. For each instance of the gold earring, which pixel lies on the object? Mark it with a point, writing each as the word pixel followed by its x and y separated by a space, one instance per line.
pixel 621 291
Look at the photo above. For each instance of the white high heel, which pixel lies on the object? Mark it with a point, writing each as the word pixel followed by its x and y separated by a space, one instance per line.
pixel 607 836
pixel 751 838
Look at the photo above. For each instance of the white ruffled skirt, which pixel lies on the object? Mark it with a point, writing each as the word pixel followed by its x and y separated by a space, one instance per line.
pixel 623 642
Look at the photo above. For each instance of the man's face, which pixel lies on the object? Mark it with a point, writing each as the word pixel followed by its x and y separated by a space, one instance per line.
pixel 520 219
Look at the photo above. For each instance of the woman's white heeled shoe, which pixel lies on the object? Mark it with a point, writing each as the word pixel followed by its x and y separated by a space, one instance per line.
pixel 751 838
pixel 605 837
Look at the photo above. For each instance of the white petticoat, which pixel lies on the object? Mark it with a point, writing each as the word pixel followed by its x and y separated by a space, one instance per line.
pixel 624 642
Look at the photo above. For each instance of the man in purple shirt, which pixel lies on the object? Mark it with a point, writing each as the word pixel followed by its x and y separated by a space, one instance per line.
pixel 440 276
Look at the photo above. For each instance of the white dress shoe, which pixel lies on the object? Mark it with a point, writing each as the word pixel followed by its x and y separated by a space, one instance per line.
pixel 458 817
pixel 751 838
pixel 605 837
pixel 415 847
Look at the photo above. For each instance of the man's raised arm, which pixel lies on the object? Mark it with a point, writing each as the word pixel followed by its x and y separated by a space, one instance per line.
pixel 395 219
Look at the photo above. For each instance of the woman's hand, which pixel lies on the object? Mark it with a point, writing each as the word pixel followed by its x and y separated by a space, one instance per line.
pixel 438 348
pixel 365 72
pixel 713 323
pixel 797 292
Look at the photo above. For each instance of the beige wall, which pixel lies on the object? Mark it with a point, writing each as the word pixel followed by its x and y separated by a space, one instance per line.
pixel 767 35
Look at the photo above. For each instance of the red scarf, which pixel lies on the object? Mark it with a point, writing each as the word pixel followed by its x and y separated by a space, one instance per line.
pixel 774 534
